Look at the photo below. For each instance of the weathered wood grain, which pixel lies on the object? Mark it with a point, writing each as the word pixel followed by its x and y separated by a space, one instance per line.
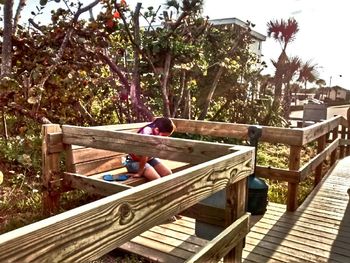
pixel 315 131
pixel 239 131
pixel 148 145
pixel 318 159
pixel 224 242
pixel 54 141
pixel 94 186
pixel 122 127
pixel 50 169
pixel 318 231
pixel 278 174
pixel 92 230
pixel 99 165
pixel 321 144
pixel 82 155
pixel 294 164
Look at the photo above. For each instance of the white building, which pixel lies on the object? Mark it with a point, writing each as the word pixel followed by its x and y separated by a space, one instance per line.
pixel 335 93
pixel 257 37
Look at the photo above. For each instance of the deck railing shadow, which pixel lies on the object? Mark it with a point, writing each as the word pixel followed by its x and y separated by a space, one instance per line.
pixel 317 236
pixel 330 136
pixel 342 242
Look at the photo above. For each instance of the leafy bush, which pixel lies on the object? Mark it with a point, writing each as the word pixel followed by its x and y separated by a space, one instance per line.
pixel 277 155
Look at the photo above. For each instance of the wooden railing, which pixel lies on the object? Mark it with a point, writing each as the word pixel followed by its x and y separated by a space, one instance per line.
pixel 330 135
pixel 92 230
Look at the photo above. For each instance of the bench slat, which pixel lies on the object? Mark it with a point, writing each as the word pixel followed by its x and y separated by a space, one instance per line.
pixel 99 166
pixel 82 155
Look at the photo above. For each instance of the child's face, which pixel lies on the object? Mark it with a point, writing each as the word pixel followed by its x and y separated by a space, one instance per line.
pixel 157 132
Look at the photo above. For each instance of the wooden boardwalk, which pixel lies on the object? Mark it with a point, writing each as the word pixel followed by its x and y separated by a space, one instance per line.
pixel 319 231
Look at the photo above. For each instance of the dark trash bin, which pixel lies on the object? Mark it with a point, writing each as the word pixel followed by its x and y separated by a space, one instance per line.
pixel 257 195
pixel 257 188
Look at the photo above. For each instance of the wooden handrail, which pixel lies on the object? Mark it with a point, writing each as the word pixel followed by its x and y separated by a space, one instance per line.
pixel 157 146
pixel 217 248
pixel 316 130
pixel 278 174
pixel 318 159
pixel 238 131
pixel 92 230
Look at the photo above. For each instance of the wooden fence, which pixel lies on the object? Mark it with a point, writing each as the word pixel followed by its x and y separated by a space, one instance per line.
pixel 92 230
pixel 330 136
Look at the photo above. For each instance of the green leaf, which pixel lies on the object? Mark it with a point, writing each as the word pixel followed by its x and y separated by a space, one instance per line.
pixel 33 100
pixel 43 2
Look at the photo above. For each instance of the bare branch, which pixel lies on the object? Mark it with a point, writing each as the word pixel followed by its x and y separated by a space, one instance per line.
pixel 83 111
pixel 21 5
pixel 35 25
pixel 137 10
pixel 115 69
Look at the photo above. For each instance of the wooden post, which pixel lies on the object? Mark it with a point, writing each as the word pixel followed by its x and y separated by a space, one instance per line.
pixel 342 147
pixel 321 144
pixel 50 168
pixel 235 208
pixel 348 137
pixel 334 153
pixel 294 164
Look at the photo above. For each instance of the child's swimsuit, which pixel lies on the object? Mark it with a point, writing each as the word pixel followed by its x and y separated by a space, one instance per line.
pixel 133 161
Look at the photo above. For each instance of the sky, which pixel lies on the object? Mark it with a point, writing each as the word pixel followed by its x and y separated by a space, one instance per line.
pixel 322 38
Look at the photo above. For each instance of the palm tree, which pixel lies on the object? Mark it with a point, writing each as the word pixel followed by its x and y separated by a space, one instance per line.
pixel 307 73
pixel 290 70
pixel 321 83
pixel 284 33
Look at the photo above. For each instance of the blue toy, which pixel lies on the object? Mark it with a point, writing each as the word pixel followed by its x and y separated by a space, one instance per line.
pixel 115 177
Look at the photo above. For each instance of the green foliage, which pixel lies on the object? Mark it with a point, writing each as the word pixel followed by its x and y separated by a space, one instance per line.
pixel 277 155
pixel 274 155
pixel 23 150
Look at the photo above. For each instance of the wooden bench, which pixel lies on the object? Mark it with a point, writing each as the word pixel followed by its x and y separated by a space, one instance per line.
pixel 95 163
pixel 211 167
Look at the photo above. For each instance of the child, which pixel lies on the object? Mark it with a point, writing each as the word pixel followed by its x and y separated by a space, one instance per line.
pixel 151 167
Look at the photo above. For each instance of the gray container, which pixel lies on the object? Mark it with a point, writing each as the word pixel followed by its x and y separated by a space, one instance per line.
pixel 209 231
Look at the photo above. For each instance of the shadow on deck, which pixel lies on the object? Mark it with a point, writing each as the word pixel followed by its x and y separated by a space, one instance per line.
pixel 319 231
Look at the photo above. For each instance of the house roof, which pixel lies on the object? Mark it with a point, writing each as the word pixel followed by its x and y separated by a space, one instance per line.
pixel 236 21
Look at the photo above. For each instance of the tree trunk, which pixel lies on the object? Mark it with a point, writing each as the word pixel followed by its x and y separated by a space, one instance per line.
pixel 187 107
pixel 181 95
pixel 21 5
pixel 6 52
pixel 135 85
pixel 211 93
pixel 164 85
pixel 286 102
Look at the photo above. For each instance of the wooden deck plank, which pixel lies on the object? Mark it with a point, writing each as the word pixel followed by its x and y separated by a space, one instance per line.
pixel 319 231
